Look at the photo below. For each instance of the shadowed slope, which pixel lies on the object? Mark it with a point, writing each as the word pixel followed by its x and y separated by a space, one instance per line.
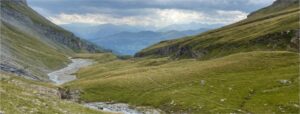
pixel 31 46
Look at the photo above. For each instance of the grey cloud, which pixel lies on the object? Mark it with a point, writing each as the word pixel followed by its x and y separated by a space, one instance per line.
pixel 146 12
pixel 131 7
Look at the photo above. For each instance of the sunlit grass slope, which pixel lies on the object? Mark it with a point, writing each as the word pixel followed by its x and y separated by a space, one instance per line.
pixel 19 96
pixel 273 30
pixel 255 82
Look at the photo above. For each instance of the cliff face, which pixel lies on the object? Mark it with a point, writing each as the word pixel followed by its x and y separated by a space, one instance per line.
pixel 32 46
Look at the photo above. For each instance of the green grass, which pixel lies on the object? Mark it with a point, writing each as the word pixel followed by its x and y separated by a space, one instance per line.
pixel 272 9
pixel 240 71
pixel 247 82
pixel 20 96
pixel 98 57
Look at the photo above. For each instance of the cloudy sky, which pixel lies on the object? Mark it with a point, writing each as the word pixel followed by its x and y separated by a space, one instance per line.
pixel 155 13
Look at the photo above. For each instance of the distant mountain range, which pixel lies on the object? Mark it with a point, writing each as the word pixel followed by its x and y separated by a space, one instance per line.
pixel 126 39
pixel 128 43
pixel 90 32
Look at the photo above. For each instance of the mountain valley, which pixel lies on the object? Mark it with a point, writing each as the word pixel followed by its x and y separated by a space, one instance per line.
pixel 248 67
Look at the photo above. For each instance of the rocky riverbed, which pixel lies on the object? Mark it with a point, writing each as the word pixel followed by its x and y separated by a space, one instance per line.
pixel 66 74
pixel 122 108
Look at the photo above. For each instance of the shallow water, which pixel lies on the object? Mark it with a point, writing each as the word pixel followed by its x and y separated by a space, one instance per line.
pixel 122 108
pixel 64 75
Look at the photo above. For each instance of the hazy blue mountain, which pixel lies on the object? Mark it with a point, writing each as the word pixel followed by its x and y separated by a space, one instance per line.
pixel 128 43
pixel 189 26
pixel 127 40
pixel 89 32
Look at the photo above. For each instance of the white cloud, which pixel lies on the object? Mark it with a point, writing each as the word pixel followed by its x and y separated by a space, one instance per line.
pixel 154 17
pixel 264 2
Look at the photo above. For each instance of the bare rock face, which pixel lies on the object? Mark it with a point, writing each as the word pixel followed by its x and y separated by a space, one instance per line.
pixel 68 94
pixel 188 52
pixel 161 52
pixel 296 40
pixel 20 72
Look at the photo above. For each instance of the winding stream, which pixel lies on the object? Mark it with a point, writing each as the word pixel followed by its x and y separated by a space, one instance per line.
pixel 66 74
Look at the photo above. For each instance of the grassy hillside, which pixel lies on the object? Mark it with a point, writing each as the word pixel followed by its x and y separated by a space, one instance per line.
pixel 255 82
pixel 247 67
pixel 264 30
pixel 29 53
pixel 34 98
pixel 276 7
pixel 32 45
pixel 23 15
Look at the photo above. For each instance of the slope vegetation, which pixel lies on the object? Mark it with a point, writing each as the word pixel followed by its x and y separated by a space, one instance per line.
pixel 34 98
pixel 247 67
pixel 252 82
pixel 31 46
pixel 267 29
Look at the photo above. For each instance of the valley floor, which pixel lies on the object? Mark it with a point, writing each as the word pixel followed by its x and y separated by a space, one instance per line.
pixel 249 82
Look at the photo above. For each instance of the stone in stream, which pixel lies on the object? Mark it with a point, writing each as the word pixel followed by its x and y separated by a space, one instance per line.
pixel 122 108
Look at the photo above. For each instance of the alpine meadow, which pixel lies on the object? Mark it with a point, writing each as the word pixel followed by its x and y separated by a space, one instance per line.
pixel 142 57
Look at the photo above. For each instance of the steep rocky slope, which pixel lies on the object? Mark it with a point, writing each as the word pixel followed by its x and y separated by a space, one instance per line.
pixel 31 45
pixel 273 28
